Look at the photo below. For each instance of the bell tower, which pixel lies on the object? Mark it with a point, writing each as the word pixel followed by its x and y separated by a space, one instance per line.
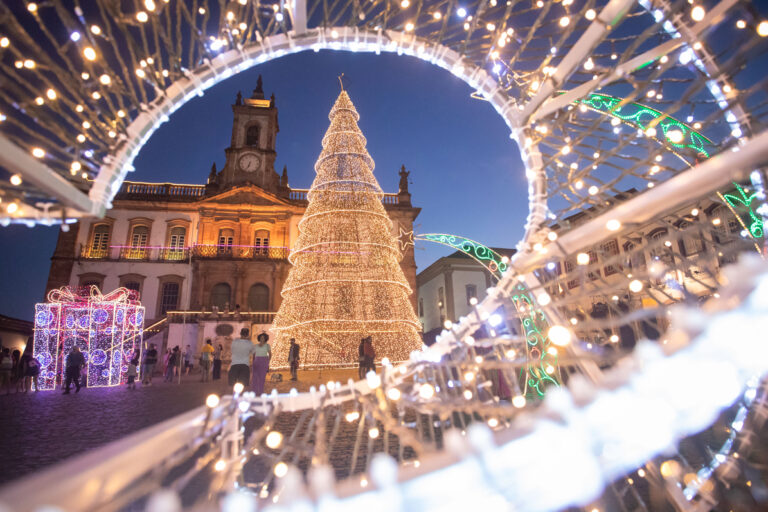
pixel 250 157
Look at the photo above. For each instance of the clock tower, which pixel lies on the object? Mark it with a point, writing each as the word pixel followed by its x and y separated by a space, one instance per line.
pixel 250 157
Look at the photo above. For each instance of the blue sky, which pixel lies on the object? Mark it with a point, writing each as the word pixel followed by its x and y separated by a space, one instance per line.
pixel 467 175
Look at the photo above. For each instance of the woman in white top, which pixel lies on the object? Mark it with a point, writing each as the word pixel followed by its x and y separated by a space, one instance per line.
pixel 262 354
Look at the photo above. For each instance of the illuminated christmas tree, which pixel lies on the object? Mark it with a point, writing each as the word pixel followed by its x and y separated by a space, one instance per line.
pixel 346 281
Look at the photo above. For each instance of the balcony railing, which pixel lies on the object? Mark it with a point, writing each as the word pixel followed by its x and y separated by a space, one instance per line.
pixel 160 191
pixel 122 253
pixel 300 194
pixel 239 252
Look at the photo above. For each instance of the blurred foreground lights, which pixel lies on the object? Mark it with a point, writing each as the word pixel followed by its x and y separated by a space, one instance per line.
pixel 613 225
pixel 212 401
pixel 105 80
pixel 559 335
pixel 614 338
pixel 473 301
pixel 552 236
pixel 519 401
pixel 393 394
pixel 51 94
pixel 675 136
pixel 590 14
pixel 698 13
pixel 447 324
pixel 274 439
pixel 593 190
pixel 373 433
pixel 38 152
pixel 352 416
pixel 635 286
pixel 574 321
pixel 220 465
pixel 543 299
pixel 426 391
pixel 281 469
pixel 467 394
pixel 495 319
pixel 363 482
pixel 582 258
pixel 16 180
pixel 762 29
pixel 89 53
pixel 493 423
pixel 670 469
pixel 12 207
pixel 238 387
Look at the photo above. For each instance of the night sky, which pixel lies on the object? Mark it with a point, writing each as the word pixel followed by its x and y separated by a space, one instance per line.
pixel 466 173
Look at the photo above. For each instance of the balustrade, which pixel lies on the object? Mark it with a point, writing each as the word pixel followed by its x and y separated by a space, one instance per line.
pixel 239 252
pixel 122 253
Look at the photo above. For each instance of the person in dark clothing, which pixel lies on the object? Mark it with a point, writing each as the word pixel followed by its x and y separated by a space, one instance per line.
pixel 361 359
pixel 75 361
pixel 217 362
pixel 172 362
pixel 293 358
pixel 150 360
pixel 369 354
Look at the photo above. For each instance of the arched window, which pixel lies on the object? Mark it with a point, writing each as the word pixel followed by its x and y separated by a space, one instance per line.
pixel 176 238
pixel 261 243
pixel 692 243
pixel 138 243
pixel 258 297
pixel 220 295
pixel 226 241
pixel 252 136
pixel 99 242
pixel 634 258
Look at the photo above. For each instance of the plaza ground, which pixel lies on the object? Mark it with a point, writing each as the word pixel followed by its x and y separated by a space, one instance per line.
pixel 40 429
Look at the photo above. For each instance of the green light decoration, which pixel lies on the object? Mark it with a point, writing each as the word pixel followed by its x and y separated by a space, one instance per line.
pixel 756 225
pixel 487 257
pixel 541 368
pixel 680 138
pixel 676 134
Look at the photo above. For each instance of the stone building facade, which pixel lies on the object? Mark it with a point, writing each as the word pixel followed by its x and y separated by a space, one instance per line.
pixel 222 246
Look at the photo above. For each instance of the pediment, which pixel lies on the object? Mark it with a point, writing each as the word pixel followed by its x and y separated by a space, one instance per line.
pixel 247 195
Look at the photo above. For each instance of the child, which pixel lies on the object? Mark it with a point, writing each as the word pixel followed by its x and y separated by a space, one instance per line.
pixel 132 373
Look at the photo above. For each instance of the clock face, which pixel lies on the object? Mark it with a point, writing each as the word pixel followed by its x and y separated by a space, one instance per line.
pixel 249 162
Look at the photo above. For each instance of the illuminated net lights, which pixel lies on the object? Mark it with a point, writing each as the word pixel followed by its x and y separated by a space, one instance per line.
pixel 346 282
pixel 108 329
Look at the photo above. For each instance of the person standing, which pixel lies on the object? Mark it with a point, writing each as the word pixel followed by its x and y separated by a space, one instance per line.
pixel 173 357
pixel 132 372
pixel 370 355
pixel 188 360
pixel 217 362
pixel 148 368
pixel 262 355
pixel 242 350
pixel 74 362
pixel 361 361
pixel 205 360
pixel 6 367
pixel 293 358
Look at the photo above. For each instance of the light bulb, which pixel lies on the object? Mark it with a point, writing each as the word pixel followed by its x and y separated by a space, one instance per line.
pixel 519 401
pixel 15 180
pixel 426 391
pixel 38 152
pixel 274 439
pixel 635 286
pixel 89 53
pixel 559 335
pixel 281 469
pixel 238 387
pixel 613 225
pixel 582 258
pixel 212 400
pixel 698 13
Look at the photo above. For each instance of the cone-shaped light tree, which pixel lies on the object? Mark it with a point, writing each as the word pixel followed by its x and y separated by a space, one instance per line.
pixel 346 282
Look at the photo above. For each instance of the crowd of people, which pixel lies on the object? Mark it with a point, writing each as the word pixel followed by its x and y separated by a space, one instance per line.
pixel 250 363
pixel 18 371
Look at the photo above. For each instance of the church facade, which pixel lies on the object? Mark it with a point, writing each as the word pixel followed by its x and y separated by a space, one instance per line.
pixel 213 248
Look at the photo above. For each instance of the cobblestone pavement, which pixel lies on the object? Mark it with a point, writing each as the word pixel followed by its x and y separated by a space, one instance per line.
pixel 41 429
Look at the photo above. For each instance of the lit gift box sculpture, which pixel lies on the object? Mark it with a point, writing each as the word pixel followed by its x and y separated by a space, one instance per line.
pixel 107 328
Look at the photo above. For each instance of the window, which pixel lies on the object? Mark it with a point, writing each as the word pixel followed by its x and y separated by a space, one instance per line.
pixel 169 298
pixel 176 240
pixel 226 241
pixel 258 297
pixel 138 243
pixel 252 136
pixel 92 279
pixel 471 292
pixel 99 242
pixel 421 307
pixel 610 249
pixel 573 283
pixel 133 285
pixel 440 298
pixel 592 261
pixel 634 258
pixel 661 251
pixel 220 295
pixel 261 243
pixel 692 243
